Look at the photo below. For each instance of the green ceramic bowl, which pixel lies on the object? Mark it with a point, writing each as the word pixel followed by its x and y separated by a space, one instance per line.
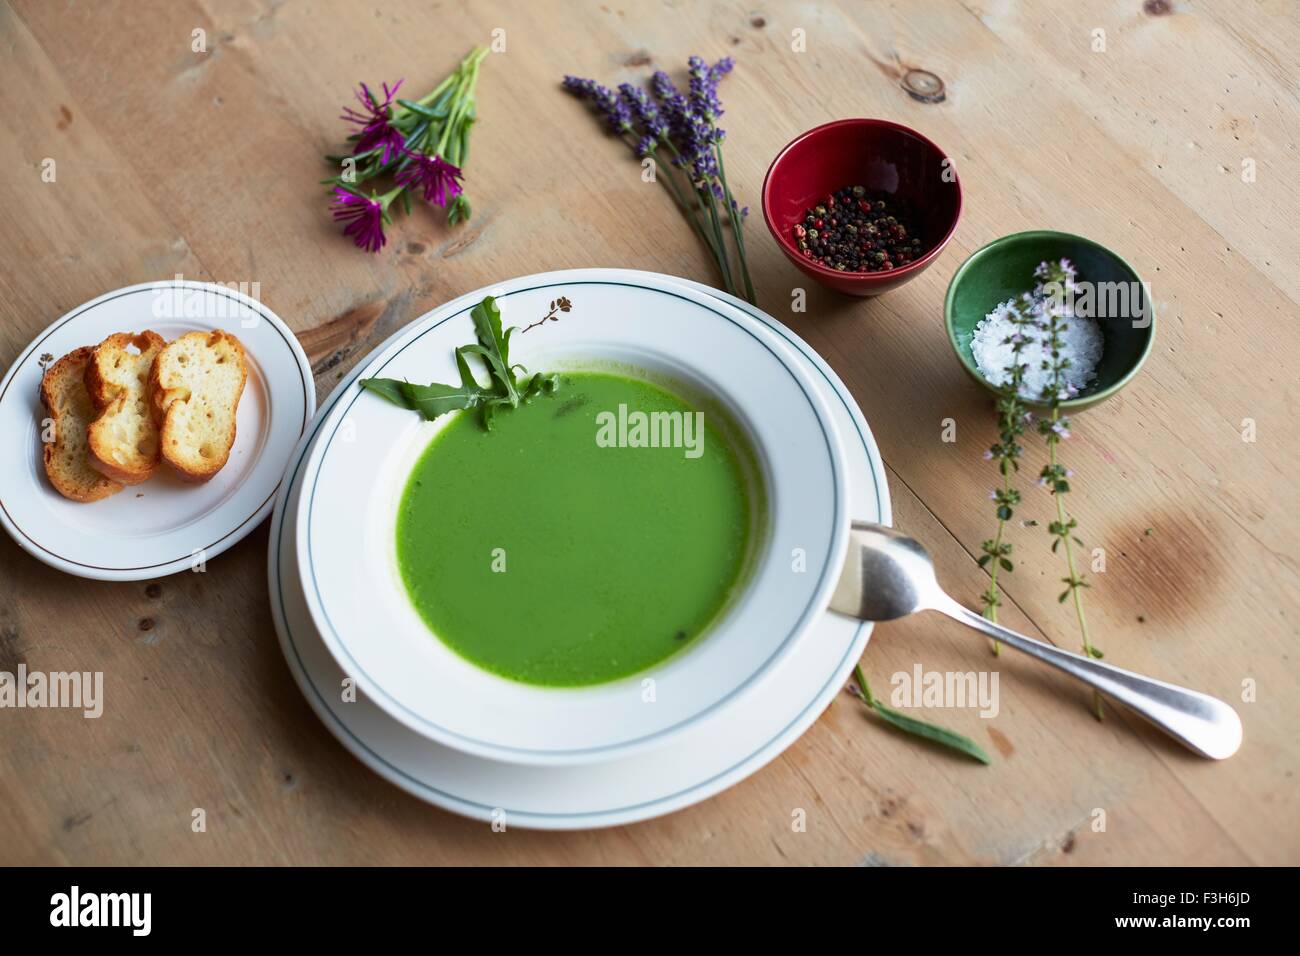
pixel 1116 298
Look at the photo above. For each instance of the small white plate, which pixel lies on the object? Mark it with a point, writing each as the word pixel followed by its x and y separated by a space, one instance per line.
pixel 163 525
pixel 708 758
pixel 354 476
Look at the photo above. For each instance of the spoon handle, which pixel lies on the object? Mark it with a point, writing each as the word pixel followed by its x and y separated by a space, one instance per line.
pixel 1204 723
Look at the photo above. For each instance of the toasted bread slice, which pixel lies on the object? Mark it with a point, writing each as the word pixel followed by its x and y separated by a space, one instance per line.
pixel 194 390
pixel 123 440
pixel 68 405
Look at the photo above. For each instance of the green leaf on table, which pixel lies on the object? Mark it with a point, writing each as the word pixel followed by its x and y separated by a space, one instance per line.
pixel 919 728
pixel 428 112
pixel 933 732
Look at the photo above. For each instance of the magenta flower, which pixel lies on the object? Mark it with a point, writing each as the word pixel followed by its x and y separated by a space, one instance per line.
pixel 438 178
pixel 364 218
pixel 376 132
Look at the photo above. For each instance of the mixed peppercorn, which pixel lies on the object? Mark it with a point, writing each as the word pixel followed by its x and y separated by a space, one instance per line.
pixel 853 230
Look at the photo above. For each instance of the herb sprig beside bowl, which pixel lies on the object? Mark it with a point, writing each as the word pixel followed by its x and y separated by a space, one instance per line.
pixel 1013 416
pixel 1044 336
pixel 1055 280
pixel 505 388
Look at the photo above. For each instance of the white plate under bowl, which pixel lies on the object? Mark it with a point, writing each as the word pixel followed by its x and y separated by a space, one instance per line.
pixel 163 525
pixel 354 475
pixel 709 757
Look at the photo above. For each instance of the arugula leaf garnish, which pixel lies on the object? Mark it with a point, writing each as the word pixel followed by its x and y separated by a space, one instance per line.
pixel 504 387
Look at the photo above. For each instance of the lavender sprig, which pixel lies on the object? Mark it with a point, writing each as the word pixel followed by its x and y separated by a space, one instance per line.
pixel 683 127
pixel 657 133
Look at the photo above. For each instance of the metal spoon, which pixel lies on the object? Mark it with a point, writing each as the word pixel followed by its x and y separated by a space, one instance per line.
pixel 888 575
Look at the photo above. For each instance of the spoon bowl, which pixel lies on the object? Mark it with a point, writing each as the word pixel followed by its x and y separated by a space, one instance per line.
pixel 886 575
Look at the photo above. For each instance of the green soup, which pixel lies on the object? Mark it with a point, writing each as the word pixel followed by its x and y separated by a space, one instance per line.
pixel 561 548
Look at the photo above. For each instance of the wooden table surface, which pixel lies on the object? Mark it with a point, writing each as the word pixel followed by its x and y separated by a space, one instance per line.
pixel 206 163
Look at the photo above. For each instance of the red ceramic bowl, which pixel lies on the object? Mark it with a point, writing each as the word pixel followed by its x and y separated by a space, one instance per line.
pixel 880 155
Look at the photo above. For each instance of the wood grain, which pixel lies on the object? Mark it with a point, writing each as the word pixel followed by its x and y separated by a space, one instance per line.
pixel 207 164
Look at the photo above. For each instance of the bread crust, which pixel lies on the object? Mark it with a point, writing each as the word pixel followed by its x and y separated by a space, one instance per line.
pixel 114 402
pixel 62 459
pixel 172 390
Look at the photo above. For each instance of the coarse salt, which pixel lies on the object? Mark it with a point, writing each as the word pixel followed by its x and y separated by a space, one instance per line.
pixel 1081 342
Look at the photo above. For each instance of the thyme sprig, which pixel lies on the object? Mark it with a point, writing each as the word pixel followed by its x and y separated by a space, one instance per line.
pixel 1006 451
pixel 1055 279
pixel 1041 315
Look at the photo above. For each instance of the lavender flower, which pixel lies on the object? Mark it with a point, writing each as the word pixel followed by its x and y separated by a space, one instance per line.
pixel 643 111
pixel 374 119
pixel 667 120
pixel 704 167
pixel 364 218
pixel 663 87
pixel 438 179
pixel 704 88
pixel 675 108
pixel 616 113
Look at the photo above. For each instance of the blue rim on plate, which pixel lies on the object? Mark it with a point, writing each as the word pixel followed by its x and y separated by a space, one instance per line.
pixel 609 816
pixel 806 617
pixel 232 535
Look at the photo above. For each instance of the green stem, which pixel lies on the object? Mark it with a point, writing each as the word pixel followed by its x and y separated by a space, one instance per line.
pixel 475 57
pixel 688 211
pixel 714 241
pixel 991 608
pixel 461 100
pixel 706 195
pixel 1066 538
pixel 737 224
pixel 862 685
